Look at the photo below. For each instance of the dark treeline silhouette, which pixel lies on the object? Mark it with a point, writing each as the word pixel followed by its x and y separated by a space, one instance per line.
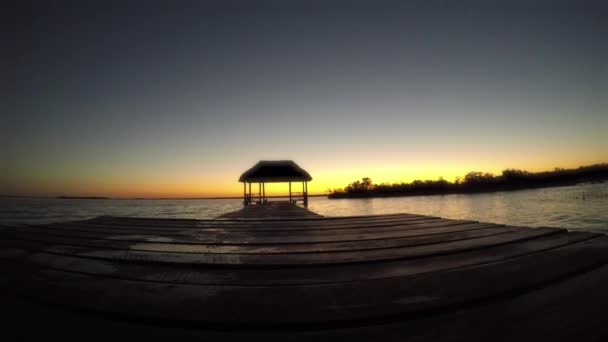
pixel 510 179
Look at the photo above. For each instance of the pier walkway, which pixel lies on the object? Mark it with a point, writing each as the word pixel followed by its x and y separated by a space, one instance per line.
pixel 271 210
pixel 398 277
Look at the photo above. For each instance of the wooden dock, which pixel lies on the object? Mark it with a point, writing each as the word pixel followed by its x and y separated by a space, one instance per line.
pixel 395 277
pixel 271 210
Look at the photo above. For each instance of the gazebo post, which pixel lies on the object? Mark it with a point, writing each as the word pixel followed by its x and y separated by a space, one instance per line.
pixel 289 192
pixel 260 192
pixel 249 200
pixel 263 192
pixel 244 193
pixel 306 194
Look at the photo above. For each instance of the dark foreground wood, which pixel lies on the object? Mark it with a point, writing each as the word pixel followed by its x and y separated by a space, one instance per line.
pixel 390 277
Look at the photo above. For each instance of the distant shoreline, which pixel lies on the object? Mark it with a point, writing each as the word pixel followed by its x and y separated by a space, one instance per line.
pixel 477 182
pixel 456 192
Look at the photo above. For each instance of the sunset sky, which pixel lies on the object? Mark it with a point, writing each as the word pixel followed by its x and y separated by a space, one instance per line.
pixel 177 99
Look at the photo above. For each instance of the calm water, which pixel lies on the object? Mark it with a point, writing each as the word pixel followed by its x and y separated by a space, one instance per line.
pixel 582 206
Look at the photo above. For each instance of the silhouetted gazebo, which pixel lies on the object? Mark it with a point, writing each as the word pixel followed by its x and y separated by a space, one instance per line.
pixel 274 171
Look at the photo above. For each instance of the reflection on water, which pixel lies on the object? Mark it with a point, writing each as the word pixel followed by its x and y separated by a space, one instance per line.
pixel 582 206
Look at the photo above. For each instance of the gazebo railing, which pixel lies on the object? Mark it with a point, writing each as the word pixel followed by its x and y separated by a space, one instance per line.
pixel 250 197
pixel 253 198
pixel 298 196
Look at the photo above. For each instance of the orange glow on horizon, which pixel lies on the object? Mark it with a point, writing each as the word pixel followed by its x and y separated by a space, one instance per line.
pixel 194 185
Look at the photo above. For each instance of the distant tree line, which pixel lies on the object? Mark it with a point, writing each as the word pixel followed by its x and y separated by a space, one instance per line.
pixel 510 179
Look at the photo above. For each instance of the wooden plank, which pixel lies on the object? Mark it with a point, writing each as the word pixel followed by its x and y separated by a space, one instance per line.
pixel 295 225
pixel 178 221
pixel 568 310
pixel 571 310
pixel 268 215
pixel 295 259
pixel 257 223
pixel 292 276
pixel 367 242
pixel 390 298
pixel 197 220
pixel 271 209
pixel 254 224
pixel 243 226
pixel 222 238
pixel 208 232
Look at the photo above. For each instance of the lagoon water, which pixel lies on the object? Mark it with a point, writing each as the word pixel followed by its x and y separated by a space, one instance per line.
pixel 583 206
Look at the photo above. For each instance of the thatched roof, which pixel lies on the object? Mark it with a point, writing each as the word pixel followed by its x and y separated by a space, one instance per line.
pixel 274 171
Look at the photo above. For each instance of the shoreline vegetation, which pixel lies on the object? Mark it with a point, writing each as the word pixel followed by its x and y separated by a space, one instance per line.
pixel 475 182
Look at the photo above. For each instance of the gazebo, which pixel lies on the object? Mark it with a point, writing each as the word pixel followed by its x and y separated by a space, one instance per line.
pixel 274 171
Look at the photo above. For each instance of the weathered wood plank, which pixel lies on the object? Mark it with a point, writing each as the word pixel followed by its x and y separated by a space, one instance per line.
pixel 368 242
pixel 319 304
pixel 250 238
pixel 247 228
pixel 196 220
pixel 240 234
pixel 257 224
pixel 295 259
pixel 569 310
pixel 291 276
